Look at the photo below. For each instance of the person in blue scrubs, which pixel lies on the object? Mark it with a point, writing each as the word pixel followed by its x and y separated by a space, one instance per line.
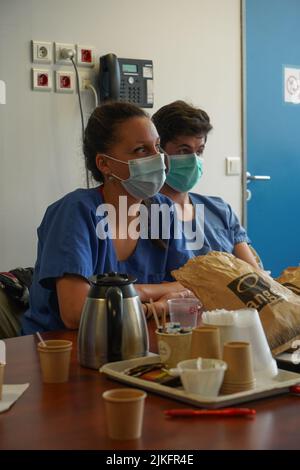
pixel 183 131
pixel 77 239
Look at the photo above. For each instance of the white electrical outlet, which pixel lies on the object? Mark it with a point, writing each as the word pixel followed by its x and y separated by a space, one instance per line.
pixel 41 79
pixel 85 56
pixel 64 81
pixel 84 80
pixel 59 57
pixel 41 52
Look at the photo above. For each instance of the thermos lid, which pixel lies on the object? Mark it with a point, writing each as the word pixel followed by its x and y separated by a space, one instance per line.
pixel 101 283
pixel 114 279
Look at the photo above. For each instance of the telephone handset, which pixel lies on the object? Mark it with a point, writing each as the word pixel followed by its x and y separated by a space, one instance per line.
pixel 126 80
pixel 109 79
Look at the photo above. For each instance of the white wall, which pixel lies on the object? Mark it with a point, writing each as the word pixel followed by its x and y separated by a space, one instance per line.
pixel 195 48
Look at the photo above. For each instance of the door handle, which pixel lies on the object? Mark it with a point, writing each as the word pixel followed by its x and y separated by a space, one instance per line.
pixel 257 177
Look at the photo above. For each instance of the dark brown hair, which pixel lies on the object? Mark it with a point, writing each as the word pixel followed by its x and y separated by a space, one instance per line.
pixel 102 130
pixel 178 119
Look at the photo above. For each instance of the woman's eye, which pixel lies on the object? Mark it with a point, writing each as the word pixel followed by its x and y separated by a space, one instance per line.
pixel 140 150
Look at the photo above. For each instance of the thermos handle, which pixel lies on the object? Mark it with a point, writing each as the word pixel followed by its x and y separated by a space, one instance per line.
pixel 114 309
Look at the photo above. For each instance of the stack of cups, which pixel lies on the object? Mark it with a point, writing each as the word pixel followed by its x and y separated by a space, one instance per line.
pixel 239 375
pixel 55 360
pixel 206 343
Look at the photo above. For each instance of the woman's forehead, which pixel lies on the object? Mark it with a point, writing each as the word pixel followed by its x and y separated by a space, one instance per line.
pixel 137 129
pixel 192 140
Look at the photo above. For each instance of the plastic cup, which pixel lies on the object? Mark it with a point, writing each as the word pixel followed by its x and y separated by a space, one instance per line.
pixel 173 347
pixel 206 342
pixel 185 311
pixel 55 360
pixel 245 325
pixel 124 408
pixel 2 367
pixel 205 381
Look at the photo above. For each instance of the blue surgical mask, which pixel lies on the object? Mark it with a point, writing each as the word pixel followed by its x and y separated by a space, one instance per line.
pixel 147 175
pixel 184 172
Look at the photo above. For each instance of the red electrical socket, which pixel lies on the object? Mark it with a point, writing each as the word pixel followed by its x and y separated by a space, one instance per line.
pixel 64 81
pixel 85 56
pixel 41 80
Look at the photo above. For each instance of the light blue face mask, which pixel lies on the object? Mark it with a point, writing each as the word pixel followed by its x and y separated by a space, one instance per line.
pixel 147 175
pixel 184 172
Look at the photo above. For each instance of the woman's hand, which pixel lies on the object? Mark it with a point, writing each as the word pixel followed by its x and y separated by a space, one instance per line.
pixel 157 291
pixel 161 305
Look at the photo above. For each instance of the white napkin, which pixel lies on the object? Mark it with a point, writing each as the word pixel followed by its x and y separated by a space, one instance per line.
pixel 10 394
pixel 219 317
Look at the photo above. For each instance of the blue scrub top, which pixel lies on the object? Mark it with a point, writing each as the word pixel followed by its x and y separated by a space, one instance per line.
pixel 68 244
pixel 222 229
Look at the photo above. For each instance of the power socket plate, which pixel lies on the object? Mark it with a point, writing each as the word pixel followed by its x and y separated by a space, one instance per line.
pixel 58 46
pixel 41 80
pixel 85 56
pixel 64 80
pixel 84 79
pixel 41 52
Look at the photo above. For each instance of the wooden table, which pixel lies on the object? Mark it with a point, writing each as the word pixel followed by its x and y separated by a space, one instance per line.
pixel 71 415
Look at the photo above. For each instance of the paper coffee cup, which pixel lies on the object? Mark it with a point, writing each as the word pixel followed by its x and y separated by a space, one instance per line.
pixel 55 360
pixel 124 408
pixel 239 375
pixel 206 342
pixel 173 347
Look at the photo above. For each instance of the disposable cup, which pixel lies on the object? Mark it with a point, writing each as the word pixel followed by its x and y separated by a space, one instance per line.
pixel 173 347
pixel 205 381
pixel 245 325
pixel 228 388
pixel 206 342
pixel 55 360
pixel 185 311
pixel 2 367
pixel 124 409
pixel 239 375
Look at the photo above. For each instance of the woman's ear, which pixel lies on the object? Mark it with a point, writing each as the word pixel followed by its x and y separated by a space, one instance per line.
pixel 101 163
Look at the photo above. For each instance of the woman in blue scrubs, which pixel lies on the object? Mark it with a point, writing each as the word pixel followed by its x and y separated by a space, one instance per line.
pixel 121 148
pixel 183 131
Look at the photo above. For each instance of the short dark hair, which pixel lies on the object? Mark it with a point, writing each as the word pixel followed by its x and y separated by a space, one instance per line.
pixel 180 118
pixel 102 129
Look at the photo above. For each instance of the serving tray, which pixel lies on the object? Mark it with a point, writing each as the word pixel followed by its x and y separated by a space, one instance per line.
pixel 264 388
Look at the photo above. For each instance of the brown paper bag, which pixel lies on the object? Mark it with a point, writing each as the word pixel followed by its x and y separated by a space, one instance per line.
pixel 220 280
pixel 290 278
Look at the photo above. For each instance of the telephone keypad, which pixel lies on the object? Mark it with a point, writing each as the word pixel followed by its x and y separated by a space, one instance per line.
pixel 134 86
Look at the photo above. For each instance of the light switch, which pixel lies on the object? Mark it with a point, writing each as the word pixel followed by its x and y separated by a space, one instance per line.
pixel 233 166
pixel 2 92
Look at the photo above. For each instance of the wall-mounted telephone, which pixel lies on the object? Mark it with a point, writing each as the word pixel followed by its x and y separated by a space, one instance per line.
pixel 126 80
